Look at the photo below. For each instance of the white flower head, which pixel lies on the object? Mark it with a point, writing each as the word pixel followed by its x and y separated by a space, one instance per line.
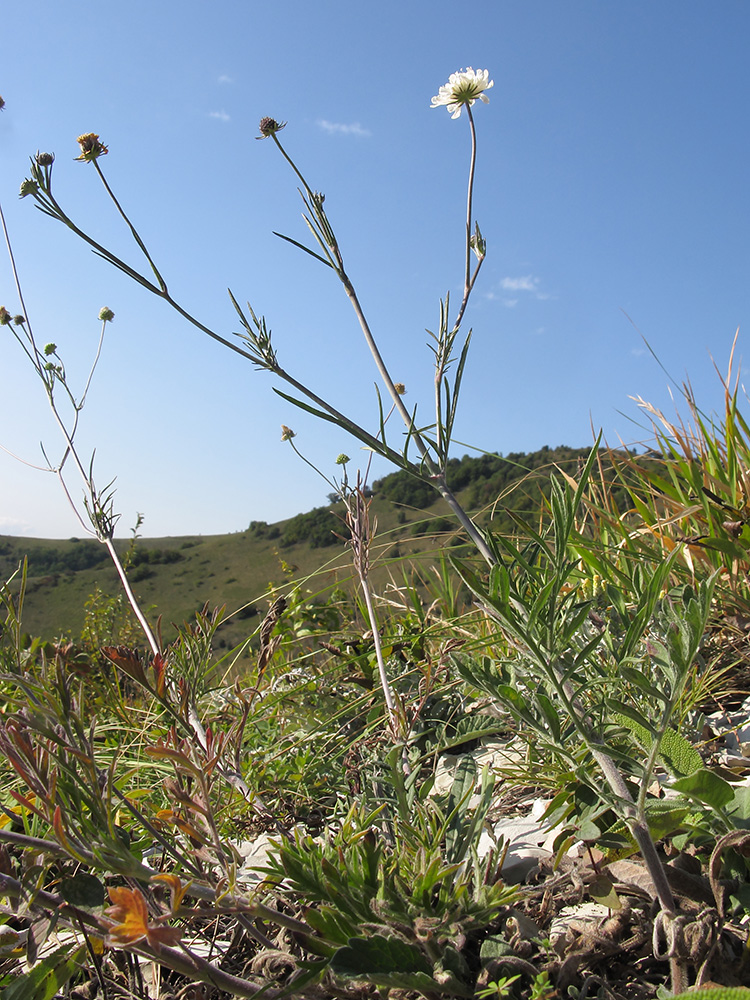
pixel 462 88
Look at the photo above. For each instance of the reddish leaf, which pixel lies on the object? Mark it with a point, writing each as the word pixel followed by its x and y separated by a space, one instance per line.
pixel 129 915
pixel 127 660
pixel 131 924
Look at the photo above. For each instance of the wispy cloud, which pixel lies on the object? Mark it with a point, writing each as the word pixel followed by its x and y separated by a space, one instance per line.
pixel 340 128
pixel 523 283
pixel 222 116
pixel 224 78
pixel 527 283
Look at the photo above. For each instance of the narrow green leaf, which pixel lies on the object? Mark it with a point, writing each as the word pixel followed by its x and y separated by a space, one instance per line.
pixel 47 978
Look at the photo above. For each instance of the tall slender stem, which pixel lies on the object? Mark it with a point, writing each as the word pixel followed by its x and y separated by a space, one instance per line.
pixel 68 436
pixel 469 199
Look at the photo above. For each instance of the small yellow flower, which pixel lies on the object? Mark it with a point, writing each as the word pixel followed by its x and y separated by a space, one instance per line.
pixel 91 147
pixel 400 388
pixel 463 88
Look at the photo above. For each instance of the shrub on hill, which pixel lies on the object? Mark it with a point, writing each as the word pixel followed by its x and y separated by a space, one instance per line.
pixel 487 475
pixel 83 555
pixel 318 528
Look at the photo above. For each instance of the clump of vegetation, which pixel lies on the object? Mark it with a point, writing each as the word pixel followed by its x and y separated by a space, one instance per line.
pixel 172 816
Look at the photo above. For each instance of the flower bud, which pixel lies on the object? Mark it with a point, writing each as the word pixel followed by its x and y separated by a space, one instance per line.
pixel 4 316
pixel 286 433
pixel 45 159
pixel 342 459
pixel 19 320
pixel 50 349
pixel 28 187
pixel 106 315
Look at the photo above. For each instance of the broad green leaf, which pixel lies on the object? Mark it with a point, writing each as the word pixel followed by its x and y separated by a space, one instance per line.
pixel 378 955
pixel 707 787
pixel 716 993
pixel 82 890
pixel 602 890
pixel 739 808
pixel 678 755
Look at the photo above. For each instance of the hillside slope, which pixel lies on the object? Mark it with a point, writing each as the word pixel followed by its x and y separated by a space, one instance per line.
pixel 174 577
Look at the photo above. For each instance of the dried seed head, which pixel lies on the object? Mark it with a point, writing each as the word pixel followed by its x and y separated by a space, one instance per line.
pixel 400 388
pixel 269 126
pixel 19 320
pixel 5 316
pixel 286 433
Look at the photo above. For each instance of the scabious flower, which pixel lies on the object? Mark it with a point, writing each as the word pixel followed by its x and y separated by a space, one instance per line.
pixel 463 88
pixel 91 147
pixel 269 126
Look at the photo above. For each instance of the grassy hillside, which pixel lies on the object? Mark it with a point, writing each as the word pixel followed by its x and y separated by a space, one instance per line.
pixel 174 577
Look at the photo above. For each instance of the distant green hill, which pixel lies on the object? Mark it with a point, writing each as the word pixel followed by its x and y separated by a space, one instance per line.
pixel 174 577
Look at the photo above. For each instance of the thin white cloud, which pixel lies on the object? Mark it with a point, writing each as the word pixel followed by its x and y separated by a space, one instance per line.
pixel 222 116
pixel 523 283
pixel 339 128
pixel 527 283
pixel 224 78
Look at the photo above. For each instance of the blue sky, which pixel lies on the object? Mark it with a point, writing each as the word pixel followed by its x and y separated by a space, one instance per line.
pixel 611 188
